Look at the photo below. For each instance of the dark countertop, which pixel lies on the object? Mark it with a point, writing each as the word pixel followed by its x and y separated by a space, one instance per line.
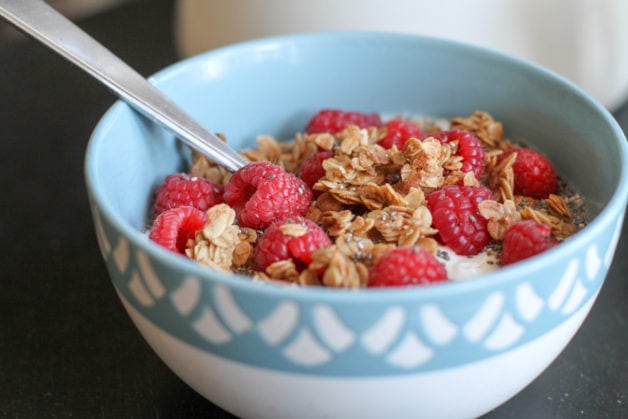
pixel 68 349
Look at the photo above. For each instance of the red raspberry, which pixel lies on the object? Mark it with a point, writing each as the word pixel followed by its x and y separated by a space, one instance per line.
pixel 334 120
pixel 398 132
pixel 534 173
pixel 262 192
pixel 455 214
pixel 470 148
pixel 174 227
pixel 275 245
pixel 525 239
pixel 406 266
pixel 181 189
pixel 312 168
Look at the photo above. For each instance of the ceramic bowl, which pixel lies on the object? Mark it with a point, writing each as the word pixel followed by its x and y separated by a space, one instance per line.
pixel 449 350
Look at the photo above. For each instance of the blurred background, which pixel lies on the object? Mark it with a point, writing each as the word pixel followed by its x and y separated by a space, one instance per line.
pixel 76 9
pixel 586 41
pixel 583 40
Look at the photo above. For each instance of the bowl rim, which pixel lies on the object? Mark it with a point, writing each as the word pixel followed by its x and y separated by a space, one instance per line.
pixel 615 205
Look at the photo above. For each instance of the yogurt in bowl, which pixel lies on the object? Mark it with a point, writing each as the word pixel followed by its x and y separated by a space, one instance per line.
pixel 353 187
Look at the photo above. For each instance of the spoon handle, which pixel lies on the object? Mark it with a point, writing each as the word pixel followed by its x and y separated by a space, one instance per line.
pixel 45 24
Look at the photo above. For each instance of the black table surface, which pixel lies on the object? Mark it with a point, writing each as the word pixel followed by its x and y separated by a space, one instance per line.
pixel 68 349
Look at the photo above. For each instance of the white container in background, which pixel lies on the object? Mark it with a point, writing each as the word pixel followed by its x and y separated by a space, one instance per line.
pixel 583 40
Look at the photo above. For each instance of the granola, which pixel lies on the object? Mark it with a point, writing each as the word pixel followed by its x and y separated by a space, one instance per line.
pixel 372 200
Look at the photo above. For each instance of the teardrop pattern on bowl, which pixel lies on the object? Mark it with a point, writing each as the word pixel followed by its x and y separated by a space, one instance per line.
pixel 310 337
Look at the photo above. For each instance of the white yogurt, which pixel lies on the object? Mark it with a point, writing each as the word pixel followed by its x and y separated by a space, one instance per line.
pixel 466 267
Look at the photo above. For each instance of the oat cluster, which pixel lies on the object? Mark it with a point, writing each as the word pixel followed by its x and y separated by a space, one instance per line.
pixel 373 199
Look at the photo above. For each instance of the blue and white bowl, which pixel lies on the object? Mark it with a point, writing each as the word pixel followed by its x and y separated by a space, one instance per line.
pixel 449 350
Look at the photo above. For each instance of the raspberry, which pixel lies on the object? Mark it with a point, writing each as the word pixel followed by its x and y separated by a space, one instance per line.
pixel 534 173
pixel 262 192
pixel 334 120
pixel 470 148
pixel 406 266
pixel 398 132
pixel 312 168
pixel 455 214
pixel 277 243
pixel 181 189
pixel 174 227
pixel 525 239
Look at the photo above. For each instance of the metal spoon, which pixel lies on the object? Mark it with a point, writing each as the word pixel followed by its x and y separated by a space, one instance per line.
pixel 45 24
